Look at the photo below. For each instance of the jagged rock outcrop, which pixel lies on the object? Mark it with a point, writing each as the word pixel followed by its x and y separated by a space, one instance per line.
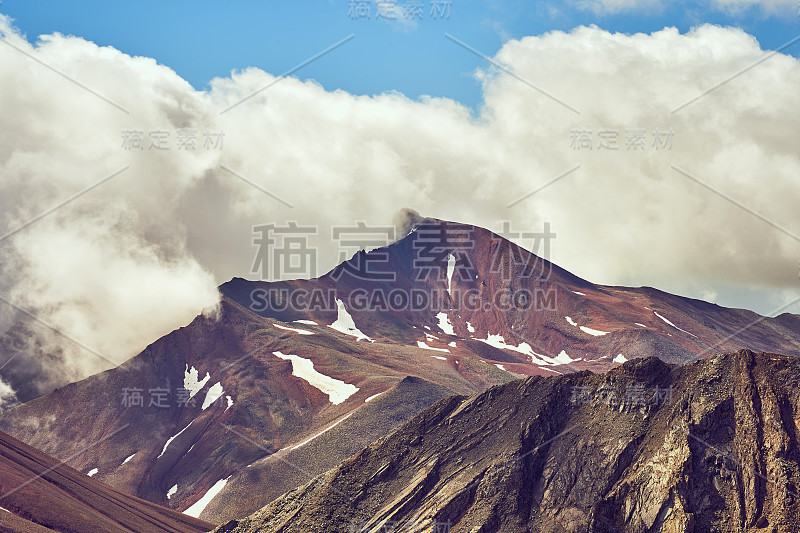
pixel 647 447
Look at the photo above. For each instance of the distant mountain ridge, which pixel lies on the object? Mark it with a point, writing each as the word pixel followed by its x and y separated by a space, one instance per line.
pixel 271 394
pixel 648 447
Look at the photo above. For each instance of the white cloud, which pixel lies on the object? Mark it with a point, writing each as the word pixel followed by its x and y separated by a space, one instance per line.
pixel 141 254
pixel 731 7
pixel 610 7
pixel 767 7
pixel 8 397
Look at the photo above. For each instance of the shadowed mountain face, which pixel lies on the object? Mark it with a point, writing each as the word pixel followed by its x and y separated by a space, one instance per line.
pixel 710 446
pixel 222 416
pixel 39 494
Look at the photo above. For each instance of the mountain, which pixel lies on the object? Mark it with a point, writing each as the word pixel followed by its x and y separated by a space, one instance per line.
pixel 648 447
pixel 290 378
pixel 39 494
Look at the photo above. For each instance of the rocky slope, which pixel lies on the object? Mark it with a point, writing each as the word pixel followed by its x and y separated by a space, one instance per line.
pixel 648 447
pixel 39 494
pixel 291 378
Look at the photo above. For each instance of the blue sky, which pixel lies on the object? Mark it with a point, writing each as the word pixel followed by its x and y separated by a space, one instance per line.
pixel 204 39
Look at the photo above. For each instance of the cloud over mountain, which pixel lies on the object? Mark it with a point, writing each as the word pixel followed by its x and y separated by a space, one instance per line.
pixel 142 252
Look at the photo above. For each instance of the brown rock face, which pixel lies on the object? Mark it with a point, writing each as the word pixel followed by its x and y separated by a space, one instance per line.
pixel 39 494
pixel 647 447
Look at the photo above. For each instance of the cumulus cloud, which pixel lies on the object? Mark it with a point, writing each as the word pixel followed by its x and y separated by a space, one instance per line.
pixel 141 253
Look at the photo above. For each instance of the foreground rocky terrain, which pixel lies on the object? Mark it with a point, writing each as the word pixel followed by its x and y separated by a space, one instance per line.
pixel 39 494
pixel 711 446
pixel 289 379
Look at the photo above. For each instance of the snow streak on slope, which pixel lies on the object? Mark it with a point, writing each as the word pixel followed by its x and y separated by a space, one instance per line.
pixel 172 490
pixel 571 322
pixel 321 432
pixel 345 324
pixel 451 267
pixel 128 459
pixel 673 325
pixel 203 502
pixel 595 332
pixel 306 322
pixel 444 324
pixel 295 330
pixel 620 359
pixel 92 472
pixel 213 394
pixel 373 397
pixel 173 438
pixel 337 390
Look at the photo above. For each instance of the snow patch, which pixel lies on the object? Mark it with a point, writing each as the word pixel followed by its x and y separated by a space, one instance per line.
pixel 470 328
pixel 338 391
pixel 501 367
pixel 638 324
pixel 425 346
pixel 191 383
pixel 563 359
pixel 590 331
pixel 306 322
pixel 579 293
pixel 620 359
pixel 295 330
pixel 201 504
pixel 213 394
pixel 230 402
pixel 345 324
pixel 128 459
pixel 92 472
pixel 673 325
pixel 439 357
pixel 499 342
pixel 172 490
pixel 453 344
pixel 169 440
pixel 595 332
pixel 444 324
pixel 321 432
